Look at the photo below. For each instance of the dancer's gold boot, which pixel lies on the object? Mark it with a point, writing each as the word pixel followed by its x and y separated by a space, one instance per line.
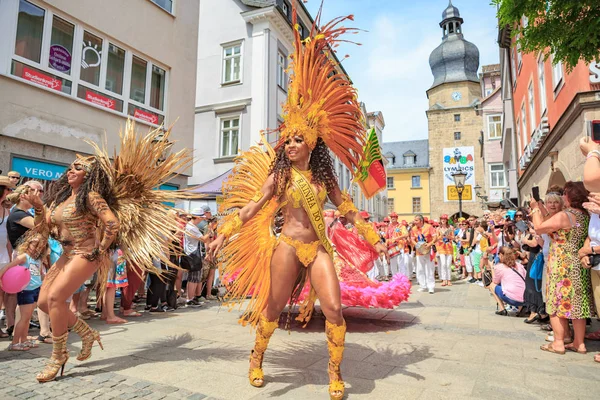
pixel 57 361
pixel 264 331
pixel 88 337
pixel 336 336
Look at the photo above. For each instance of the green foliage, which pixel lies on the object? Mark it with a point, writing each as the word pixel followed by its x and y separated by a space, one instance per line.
pixel 569 29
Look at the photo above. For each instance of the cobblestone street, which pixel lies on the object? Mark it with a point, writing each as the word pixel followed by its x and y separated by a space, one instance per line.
pixel 448 345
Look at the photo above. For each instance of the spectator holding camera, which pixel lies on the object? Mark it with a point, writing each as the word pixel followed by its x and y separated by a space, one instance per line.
pixel 569 291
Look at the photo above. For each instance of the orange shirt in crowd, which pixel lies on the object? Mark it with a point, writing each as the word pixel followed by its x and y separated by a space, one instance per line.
pixel 394 244
pixel 426 231
pixel 445 248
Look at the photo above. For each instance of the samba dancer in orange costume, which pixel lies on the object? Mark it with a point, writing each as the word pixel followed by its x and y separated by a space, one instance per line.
pixel 321 114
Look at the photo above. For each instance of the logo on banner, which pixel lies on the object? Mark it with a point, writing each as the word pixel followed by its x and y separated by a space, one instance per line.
pixel 99 100
pixel 41 79
pixel 146 116
pixel 455 159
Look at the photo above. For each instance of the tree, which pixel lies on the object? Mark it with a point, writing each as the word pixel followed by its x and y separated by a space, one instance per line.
pixel 569 29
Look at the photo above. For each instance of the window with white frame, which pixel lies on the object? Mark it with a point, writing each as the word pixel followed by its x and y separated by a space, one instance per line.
pixel 232 63
pixel 390 205
pixel 166 5
pixel 497 176
pixel 390 182
pixel 519 54
pixel 513 67
pixel 286 9
pixel 542 79
pixel 416 205
pixel 416 181
pixel 531 108
pixel 409 159
pixel 557 74
pixel 55 53
pixel 281 74
pixel 495 126
pixel 230 134
pixel 524 120
pixel 519 139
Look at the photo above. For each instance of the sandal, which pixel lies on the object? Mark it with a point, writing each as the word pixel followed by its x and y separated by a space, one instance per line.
pixel 3 335
pixel 18 347
pixel 131 313
pixel 548 347
pixel 597 358
pixel 593 336
pixel 574 350
pixel 32 344
pixel 44 339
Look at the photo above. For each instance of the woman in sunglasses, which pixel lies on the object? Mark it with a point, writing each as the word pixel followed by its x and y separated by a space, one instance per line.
pixel 76 205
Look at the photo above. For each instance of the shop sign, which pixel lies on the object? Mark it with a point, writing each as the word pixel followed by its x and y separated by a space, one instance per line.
pixel 455 158
pixel 537 139
pixel 60 58
pixel 99 100
pixel 37 169
pixel 595 73
pixel 41 79
pixel 146 116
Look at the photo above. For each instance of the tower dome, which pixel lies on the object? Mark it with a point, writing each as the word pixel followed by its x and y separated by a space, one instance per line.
pixel 455 59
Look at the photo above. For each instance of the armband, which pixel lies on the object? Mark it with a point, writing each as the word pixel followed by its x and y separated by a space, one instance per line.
pixel 257 196
pixel 232 226
pixel 594 154
pixel 367 231
pixel 346 207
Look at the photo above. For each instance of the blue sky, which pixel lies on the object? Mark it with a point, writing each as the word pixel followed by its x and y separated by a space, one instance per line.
pixel 391 68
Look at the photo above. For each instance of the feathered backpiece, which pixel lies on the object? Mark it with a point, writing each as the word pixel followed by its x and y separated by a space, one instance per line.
pixel 321 100
pixel 148 230
pixel 246 259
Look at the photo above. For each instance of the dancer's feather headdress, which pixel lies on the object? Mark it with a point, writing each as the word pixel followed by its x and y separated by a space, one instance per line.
pixel 321 100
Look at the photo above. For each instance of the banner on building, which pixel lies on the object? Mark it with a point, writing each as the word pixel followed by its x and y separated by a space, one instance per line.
pixel 371 175
pixel 455 158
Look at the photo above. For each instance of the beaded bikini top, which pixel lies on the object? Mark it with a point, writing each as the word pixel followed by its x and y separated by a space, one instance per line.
pixel 295 197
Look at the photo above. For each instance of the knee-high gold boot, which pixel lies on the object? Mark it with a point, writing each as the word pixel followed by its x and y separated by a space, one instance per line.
pixel 264 331
pixel 336 336
pixel 57 361
pixel 88 337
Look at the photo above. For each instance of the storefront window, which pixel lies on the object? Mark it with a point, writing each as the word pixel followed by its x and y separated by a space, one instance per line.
pixel 30 28
pixel 40 77
pixel 99 99
pixel 157 93
pixel 138 80
pixel 61 45
pixel 115 69
pixel 91 58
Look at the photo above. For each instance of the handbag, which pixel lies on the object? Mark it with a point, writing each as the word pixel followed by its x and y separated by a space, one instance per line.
pixel 537 270
pixel 192 262
pixel 487 277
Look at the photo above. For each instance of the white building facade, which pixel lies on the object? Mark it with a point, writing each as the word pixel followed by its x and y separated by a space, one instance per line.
pixel 243 50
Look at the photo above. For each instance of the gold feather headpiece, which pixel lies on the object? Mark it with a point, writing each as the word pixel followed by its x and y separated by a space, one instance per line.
pixel 321 102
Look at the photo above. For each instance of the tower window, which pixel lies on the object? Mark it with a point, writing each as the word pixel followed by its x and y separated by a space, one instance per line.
pixel 451 27
pixel 456 135
pixel 456 117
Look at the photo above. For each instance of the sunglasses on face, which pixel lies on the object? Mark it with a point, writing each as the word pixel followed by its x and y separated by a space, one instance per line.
pixel 14 177
pixel 519 216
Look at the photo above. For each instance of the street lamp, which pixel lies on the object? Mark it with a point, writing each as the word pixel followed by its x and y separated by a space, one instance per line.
pixel 160 139
pixel 481 197
pixel 459 181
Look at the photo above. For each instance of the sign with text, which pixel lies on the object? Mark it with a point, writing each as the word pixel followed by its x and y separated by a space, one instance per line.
pixel 146 116
pixel 455 159
pixel 60 58
pixel 99 100
pixel 37 169
pixel 594 73
pixel 41 79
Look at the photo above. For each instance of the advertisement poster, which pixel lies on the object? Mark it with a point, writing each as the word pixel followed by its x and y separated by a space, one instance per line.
pixel 455 158
pixel 146 116
pixel 99 100
pixel 60 58
pixel 41 79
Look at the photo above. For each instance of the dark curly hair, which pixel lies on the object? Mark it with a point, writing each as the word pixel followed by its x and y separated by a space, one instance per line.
pixel 95 181
pixel 576 193
pixel 320 164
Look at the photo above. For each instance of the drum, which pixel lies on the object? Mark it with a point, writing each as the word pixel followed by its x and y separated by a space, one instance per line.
pixel 421 249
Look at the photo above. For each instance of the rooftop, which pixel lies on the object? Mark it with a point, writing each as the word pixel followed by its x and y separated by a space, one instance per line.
pixel 395 152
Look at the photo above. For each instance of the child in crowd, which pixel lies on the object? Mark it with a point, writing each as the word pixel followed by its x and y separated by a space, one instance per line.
pixel 32 253
pixel 117 278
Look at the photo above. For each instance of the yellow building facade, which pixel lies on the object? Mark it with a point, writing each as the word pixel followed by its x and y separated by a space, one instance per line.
pixel 408 178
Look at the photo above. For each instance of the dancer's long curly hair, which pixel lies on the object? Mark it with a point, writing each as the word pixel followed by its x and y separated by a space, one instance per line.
pixel 95 181
pixel 320 164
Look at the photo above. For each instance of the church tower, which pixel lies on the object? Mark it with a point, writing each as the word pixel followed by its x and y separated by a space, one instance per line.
pixel 455 138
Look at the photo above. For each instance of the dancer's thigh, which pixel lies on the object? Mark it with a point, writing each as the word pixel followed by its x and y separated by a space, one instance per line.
pixel 69 278
pixel 325 282
pixel 285 269
pixel 53 272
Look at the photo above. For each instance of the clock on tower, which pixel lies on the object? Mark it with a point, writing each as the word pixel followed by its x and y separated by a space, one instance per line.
pixel 456 96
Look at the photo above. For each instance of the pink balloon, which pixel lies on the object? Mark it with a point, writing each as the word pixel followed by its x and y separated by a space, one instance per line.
pixel 15 279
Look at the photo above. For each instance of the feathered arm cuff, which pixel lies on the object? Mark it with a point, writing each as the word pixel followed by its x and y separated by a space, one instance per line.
pixel 347 206
pixel 367 231
pixel 232 226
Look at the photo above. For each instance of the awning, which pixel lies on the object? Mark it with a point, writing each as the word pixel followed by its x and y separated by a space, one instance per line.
pixel 212 187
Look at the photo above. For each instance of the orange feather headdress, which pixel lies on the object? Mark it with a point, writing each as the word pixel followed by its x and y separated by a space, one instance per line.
pixel 321 100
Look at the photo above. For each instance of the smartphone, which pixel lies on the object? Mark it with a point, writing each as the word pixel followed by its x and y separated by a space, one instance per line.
pixel 522 226
pixel 596 131
pixel 535 192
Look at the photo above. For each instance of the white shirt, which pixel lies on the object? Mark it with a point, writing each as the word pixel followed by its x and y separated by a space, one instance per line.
pixel 3 236
pixel 190 243
pixel 594 233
